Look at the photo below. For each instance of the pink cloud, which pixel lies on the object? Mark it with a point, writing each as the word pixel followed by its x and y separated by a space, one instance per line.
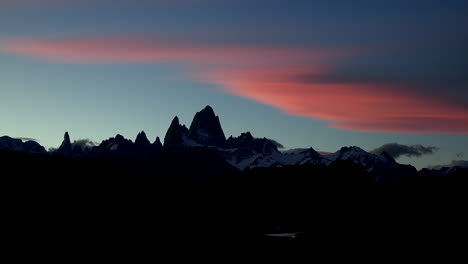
pixel 152 50
pixel 358 107
pixel 269 75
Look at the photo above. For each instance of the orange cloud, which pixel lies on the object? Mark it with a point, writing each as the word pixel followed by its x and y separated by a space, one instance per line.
pixel 152 50
pixel 272 76
pixel 359 107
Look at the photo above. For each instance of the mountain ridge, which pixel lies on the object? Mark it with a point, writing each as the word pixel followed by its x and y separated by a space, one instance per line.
pixel 243 152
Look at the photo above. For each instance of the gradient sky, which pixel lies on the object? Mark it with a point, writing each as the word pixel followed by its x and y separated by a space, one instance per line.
pixel 324 74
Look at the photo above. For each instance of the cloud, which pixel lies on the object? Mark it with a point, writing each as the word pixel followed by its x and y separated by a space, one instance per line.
pixel 276 143
pixel 83 144
pixel 25 139
pixel 52 150
pixel 397 150
pixel 142 49
pixel 299 81
pixel 365 107
pixel 454 163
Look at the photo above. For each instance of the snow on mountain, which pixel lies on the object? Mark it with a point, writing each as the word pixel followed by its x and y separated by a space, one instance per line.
pixel 357 155
pixel 206 128
pixel 301 157
pixel 243 152
pixel 383 167
pixel 8 143
pixel 13 144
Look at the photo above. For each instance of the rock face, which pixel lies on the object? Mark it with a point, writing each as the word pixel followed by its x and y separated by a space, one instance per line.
pixel 8 143
pixel 157 144
pixel 13 144
pixel 34 147
pixel 206 128
pixel 65 148
pixel 117 145
pixel 141 141
pixel 176 135
pixel 303 156
pixel 383 167
pixel 244 152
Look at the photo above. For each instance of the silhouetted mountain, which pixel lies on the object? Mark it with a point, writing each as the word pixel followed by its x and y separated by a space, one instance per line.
pixel 206 128
pixel 244 152
pixel 177 135
pixel 142 141
pixel 382 167
pixel 34 147
pixel 303 156
pixel 8 143
pixel 157 144
pixel 115 146
pixel 65 148
pixel 125 190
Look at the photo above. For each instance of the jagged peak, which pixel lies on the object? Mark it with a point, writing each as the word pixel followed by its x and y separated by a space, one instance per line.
pixel 352 148
pixel 119 137
pixel 207 109
pixel 175 121
pixel 388 156
pixel 206 127
pixel 175 134
pixel 157 142
pixel 66 137
pixel 66 146
pixel 247 135
pixel 142 139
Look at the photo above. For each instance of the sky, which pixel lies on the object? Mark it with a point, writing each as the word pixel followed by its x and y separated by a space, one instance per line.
pixel 321 74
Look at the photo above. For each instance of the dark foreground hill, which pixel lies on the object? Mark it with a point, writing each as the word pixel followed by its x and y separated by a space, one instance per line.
pixel 160 198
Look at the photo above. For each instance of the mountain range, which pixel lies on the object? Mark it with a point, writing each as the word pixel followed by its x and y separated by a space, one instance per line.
pixel 243 152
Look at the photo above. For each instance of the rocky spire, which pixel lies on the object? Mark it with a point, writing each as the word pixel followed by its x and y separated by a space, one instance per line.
pixel 65 148
pixel 175 134
pixel 141 140
pixel 157 144
pixel 388 157
pixel 206 128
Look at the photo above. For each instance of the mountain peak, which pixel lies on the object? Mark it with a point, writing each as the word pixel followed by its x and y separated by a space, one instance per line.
pixel 119 137
pixel 352 149
pixel 8 143
pixel 208 109
pixel 388 157
pixel 65 148
pixel 142 140
pixel 175 121
pixel 247 135
pixel 206 128
pixel 66 137
pixel 157 143
pixel 175 134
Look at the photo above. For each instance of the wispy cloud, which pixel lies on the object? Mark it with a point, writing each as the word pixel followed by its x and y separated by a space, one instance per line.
pixel 453 163
pixel 377 107
pixel 153 50
pixel 397 150
pixel 27 139
pixel 83 144
pixel 299 81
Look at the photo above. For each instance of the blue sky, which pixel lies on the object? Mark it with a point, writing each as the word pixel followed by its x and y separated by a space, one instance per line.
pixel 307 73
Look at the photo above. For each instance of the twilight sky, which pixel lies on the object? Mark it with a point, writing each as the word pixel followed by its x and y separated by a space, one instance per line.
pixel 307 73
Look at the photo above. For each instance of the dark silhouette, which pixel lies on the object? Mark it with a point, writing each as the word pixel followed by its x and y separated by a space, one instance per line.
pixel 150 192
pixel 206 128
